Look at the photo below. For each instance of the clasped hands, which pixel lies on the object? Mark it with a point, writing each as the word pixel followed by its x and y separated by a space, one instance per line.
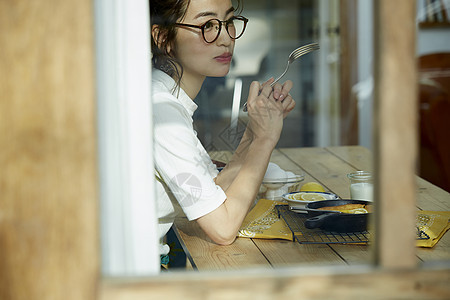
pixel 278 93
pixel 268 106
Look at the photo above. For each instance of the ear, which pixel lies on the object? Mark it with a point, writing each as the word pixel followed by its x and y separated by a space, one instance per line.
pixel 155 35
pixel 159 37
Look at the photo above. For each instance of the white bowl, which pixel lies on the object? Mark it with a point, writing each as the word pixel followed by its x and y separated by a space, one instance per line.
pixel 294 201
pixel 282 181
pixel 275 188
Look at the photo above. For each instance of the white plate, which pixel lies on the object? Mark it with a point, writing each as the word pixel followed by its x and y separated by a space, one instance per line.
pixel 293 202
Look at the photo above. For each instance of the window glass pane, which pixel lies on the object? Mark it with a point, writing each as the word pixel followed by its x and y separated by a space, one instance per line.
pixel 275 29
pixel 333 89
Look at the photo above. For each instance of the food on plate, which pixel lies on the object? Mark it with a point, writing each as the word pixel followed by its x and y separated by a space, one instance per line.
pixel 277 182
pixel 274 172
pixel 312 187
pixel 296 198
pixel 274 177
pixel 350 208
pixel 309 197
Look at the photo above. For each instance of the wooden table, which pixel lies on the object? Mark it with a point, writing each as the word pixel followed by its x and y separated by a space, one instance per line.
pixel 329 166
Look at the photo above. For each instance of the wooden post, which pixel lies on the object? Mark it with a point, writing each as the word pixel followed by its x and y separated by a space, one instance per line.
pixel 48 175
pixel 348 30
pixel 395 124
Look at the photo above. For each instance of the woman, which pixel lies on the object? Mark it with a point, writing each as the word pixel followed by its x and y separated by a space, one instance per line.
pixel 192 39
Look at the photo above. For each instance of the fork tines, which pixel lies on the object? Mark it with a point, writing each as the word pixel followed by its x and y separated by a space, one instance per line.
pixel 292 57
pixel 308 47
pixel 305 49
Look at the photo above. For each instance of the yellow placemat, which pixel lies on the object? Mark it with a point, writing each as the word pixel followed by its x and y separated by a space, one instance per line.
pixel 263 222
pixel 433 223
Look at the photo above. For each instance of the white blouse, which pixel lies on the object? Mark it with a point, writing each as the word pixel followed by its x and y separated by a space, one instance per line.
pixel 184 171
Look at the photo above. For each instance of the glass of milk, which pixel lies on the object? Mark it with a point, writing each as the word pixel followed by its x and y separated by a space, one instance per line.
pixel 361 185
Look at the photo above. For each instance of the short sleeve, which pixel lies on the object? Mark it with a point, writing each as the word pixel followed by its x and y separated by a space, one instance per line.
pixel 182 162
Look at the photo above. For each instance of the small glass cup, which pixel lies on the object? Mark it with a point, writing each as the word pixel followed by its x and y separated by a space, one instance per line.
pixel 361 185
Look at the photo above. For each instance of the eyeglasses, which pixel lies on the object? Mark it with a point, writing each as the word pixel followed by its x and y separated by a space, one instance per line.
pixel 235 27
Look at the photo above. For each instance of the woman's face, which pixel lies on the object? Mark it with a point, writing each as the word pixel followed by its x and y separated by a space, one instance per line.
pixel 198 58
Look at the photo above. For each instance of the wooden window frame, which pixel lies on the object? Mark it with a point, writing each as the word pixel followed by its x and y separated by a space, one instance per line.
pixel 348 104
pixel 49 235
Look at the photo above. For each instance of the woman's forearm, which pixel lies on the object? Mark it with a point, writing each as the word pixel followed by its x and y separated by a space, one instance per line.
pixel 222 224
pixel 242 180
pixel 227 175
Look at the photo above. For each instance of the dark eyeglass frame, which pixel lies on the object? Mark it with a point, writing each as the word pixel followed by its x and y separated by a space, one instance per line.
pixel 225 23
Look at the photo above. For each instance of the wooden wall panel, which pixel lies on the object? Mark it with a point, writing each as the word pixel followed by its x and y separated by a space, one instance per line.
pixel 48 181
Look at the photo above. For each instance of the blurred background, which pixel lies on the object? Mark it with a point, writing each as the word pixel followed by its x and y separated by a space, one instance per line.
pixel 333 86
pixel 274 30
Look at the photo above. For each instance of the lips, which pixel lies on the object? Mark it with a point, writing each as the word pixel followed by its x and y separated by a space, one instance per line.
pixel 224 58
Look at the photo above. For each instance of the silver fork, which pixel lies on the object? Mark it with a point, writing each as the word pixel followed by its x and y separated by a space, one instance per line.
pixel 300 51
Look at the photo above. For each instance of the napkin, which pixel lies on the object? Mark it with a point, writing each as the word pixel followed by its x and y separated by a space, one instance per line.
pixel 435 224
pixel 263 222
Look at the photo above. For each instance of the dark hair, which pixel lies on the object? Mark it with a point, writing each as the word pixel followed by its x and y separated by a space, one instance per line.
pixel 165 13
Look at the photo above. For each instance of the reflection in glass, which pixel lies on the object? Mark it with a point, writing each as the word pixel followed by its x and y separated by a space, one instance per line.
pixel 324 115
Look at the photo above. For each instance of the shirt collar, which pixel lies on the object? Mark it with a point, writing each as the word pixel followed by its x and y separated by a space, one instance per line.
pixel 179 93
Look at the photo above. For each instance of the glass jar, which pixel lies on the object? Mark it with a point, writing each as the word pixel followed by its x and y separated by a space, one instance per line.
pixel 361 185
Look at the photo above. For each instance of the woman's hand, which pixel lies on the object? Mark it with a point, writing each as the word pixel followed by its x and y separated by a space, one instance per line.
pixel 281 93
pixel 265 112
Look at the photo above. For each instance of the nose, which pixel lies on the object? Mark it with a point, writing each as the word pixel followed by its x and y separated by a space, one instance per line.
pixel 224 38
